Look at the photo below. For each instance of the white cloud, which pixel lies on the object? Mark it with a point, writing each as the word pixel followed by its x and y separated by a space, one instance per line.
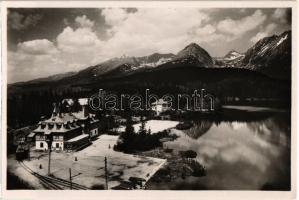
pixel 280 14
pixel 80 47
pixel 138 33
pixel 83 21
pixel 268 30
pixel 37 47
pixel 238 28
pixel 149 30
pixel 206 30
pixel 208 34
pixel 259 36
pixel 270 27
pixel 19 21
pixel 114 16
pixel 77 40
pixel 23 67
pixel 75 49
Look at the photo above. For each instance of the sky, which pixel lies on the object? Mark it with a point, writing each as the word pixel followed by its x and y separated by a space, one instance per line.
pixel 47 41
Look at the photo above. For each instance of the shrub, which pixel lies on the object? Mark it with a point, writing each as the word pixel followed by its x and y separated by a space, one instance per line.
pixel 188 154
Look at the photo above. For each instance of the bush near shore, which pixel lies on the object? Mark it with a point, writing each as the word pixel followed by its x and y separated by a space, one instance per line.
pixel 132 142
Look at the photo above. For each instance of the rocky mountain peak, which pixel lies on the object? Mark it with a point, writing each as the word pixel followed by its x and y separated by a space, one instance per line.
pixel 233 54
pixel 271 55
pixel 197 52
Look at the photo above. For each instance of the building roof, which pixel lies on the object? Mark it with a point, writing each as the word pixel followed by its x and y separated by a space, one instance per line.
pixel 79 137
pixel 64 122
pixel 60 123
pixel 31 135
pixel 56 128
pixel 63 117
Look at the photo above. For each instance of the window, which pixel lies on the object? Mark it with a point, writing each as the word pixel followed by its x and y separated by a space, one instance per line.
pixel 57 145
pixel 41 145
pixel 40 137
pixel 57 137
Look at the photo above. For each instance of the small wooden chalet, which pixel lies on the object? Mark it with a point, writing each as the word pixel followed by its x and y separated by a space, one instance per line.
pixel 160 106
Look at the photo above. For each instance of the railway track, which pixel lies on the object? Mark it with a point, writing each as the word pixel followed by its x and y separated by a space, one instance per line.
pixel 53 183
pixel 47 184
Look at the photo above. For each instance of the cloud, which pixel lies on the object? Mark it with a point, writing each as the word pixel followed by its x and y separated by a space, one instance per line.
pixel 238 28
pixel 77 40
pixel 148 30
pixel 40 58
pixel 35 59
pixel 283 15
pixel 73 50
pixel 23 67
pixel 208 34
pixel 268 30
pixel 66 22
pixel 242 10
pixel 79 48
pixel 206 30
pixel 135 33
pixel 83 21
pixel 17 21
pixel 37 47
pixel 81 40
pixel 114 16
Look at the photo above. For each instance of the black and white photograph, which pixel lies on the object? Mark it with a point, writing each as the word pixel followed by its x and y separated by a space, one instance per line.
pixel 149 98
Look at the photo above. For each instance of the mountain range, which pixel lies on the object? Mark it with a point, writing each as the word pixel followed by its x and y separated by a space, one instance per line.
pixel 231 59
pixel 269 57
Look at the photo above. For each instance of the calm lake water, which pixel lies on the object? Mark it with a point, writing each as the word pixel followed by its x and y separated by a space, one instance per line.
pixel 248 154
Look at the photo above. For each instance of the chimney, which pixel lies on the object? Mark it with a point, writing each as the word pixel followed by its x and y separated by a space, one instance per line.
pixel 54 113
pixel 58 109
pixel 84 104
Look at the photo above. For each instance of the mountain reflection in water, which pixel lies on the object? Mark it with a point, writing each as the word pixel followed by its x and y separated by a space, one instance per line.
pixel 247 155
pixel 199 128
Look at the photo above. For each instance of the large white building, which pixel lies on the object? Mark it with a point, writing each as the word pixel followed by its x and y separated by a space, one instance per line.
pixel 66 130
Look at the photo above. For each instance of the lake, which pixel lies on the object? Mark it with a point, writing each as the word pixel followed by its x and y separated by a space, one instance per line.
pixel 248 154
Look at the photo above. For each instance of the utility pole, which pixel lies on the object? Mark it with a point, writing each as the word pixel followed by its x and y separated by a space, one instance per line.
pixel 106 174
pixel 71 184
pixel 49 163
pixel 49 141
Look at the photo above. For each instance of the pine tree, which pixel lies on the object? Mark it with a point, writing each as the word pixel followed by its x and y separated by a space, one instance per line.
pixel 149 132
pixel 129 125
pixel 142 129
pixel 76 106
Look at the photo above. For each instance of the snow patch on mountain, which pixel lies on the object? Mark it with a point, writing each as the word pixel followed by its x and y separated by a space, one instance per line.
pixel 282 39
